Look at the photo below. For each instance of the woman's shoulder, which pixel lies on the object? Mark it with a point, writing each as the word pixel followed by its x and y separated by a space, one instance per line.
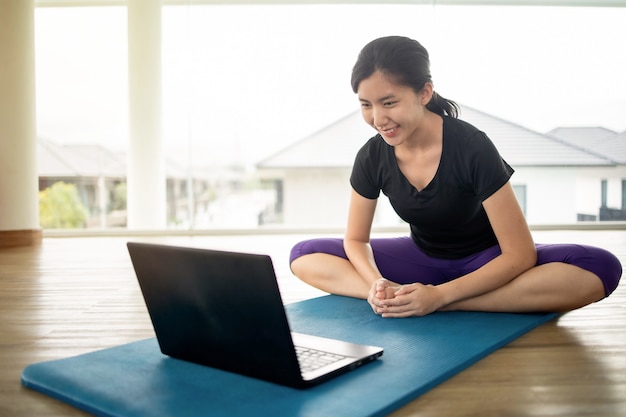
pixel 375 141
pixel 464 135
pixel 459 127
pixel 374 146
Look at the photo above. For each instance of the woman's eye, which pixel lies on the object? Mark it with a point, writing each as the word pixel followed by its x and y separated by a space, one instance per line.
pixel 389 103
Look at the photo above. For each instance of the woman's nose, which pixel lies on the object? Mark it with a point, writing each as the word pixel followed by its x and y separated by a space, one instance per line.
pixel 379 117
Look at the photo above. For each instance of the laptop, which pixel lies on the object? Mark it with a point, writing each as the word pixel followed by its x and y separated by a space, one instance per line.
pixel 224 310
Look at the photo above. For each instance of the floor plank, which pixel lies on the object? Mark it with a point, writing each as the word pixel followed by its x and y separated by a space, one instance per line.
pixel 76 295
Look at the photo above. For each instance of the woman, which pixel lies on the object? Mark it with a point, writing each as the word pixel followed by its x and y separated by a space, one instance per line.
pixel 469 247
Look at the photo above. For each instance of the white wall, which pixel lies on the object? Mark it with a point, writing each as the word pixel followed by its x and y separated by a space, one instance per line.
pixel 554 195
pixel 316 197
pixel 322 197
pixel 550 194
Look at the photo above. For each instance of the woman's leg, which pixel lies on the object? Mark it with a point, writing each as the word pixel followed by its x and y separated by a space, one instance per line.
pixel 330 273
pixel 324 264
pixel 554 287
pixel 566 277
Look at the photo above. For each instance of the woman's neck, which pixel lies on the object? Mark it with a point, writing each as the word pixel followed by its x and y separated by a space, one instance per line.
pixel 428 138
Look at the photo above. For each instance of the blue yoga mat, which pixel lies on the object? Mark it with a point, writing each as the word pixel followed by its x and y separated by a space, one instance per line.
pixel 136 380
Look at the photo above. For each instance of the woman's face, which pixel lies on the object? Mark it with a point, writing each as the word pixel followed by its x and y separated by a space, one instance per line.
pixel 394 110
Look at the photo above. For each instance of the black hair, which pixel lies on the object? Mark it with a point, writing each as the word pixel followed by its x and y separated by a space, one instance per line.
pixel 407 62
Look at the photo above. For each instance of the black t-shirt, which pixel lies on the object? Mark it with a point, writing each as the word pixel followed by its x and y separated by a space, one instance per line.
pixel 447 218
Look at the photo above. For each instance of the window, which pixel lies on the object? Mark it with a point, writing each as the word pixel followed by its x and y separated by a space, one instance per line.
pixel 81 76
pixel 243 82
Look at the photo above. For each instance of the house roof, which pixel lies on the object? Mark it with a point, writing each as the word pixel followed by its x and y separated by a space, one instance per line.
pixel 336 145
pixel 56 160
pixel 602 141
pixel 581 134
pixel 88 160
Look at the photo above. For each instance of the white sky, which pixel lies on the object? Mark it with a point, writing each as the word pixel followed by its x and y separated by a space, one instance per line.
pixel 258 78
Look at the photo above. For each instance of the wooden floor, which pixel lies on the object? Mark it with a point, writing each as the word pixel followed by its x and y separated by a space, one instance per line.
pixel 76 295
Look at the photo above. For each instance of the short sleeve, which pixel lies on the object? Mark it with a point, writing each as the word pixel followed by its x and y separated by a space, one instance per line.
pixel 488 170
pixel 364 178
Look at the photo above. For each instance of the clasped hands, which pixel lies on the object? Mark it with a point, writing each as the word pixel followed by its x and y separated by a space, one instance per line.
pixel 389 299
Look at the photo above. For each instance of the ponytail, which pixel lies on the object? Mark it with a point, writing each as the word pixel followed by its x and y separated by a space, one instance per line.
pixel 442 106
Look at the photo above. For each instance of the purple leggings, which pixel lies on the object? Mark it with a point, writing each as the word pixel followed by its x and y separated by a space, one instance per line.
pixel 401 261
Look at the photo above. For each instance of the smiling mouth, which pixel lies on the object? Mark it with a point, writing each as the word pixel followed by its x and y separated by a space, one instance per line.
pixel 388 131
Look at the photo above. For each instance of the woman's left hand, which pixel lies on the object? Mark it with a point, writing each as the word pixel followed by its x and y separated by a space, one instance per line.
pixel 411 300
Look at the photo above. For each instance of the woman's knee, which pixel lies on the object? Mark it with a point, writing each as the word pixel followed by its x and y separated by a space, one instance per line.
pixel 306 265
pixel 330 246
pixel 608 268
pixel 600 262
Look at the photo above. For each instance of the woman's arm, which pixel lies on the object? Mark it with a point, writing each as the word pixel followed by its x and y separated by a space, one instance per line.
pixel 357 237
pixel 516 243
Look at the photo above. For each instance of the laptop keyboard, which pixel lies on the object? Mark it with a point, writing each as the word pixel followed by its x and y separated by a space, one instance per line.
pixel 311 359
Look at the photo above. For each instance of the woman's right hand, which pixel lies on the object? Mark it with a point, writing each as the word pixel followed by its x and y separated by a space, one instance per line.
pixel 381 290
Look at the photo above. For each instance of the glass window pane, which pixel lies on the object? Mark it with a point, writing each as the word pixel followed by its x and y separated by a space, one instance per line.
pixel 244 83
pixel 81 75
